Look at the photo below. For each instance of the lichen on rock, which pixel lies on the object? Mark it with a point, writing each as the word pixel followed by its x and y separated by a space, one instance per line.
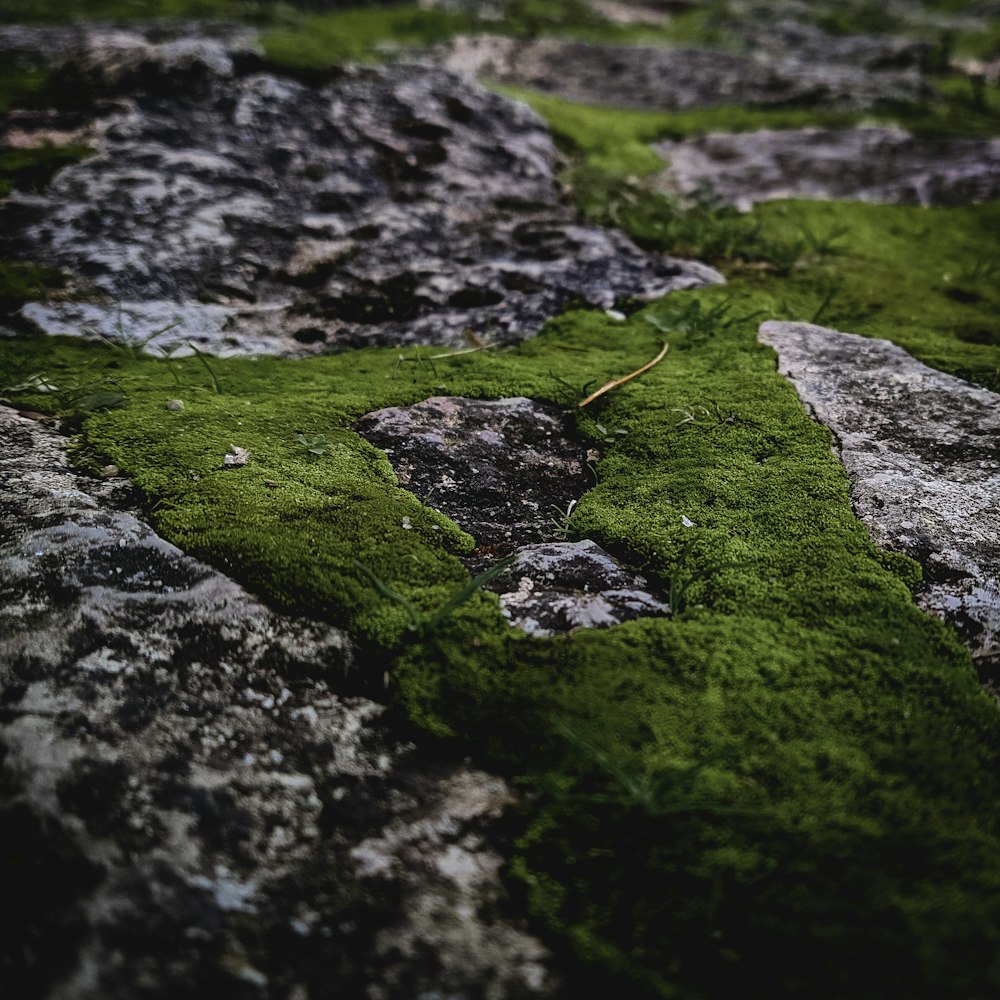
pixel 249 212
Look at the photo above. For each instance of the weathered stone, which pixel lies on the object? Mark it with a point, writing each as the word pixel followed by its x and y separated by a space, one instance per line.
pixel 628 12
pixel 206 807
pixel 558 586
pixel 674 79
pixel 503 469
pixel 393 205
pixel 923 452
pixel 508 471
pixel 159 326
pixel 880 164
pixel 804 42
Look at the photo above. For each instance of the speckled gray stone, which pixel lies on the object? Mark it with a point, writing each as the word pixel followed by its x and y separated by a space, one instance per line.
pixel 503 469
pixel 507 471
pixel 877 164
pixel 257 214
pixel 675 79
pixel 923 452
pixel 556 587
pixel 206 794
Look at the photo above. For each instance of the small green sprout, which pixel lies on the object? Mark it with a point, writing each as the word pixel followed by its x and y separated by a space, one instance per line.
pixel 316 445
pixel 423 624
pixel 697 324
pixel 560 524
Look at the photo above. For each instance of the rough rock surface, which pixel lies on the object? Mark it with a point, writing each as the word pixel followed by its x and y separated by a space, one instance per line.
pixel 508 471
pixel 209 812
pixel 394 205
pixel 804 42
pixel 674 79
pixel 503 469
pixel 558 586
pixel 863 164
pixel 923 452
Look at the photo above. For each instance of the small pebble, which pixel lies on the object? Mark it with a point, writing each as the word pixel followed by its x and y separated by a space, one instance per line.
pixel 176 405
pixel 236 457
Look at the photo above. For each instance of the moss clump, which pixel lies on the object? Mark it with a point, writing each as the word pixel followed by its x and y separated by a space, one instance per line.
pixel 321 41
pixel 63 11
pixel 31 169
pixel 20 283
pixel 19 85
pixel 925 278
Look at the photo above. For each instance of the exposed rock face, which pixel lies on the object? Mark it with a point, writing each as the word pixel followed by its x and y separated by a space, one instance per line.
pixel 503 469
pixel 558 586
pixel 509 471
pixel 208 811
pixel 674 79
pixel 804 42
pixel 862 164
pixel 392 206
pixel 923 452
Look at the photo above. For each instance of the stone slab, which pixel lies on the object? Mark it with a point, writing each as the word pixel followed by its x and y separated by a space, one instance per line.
pixel 922 449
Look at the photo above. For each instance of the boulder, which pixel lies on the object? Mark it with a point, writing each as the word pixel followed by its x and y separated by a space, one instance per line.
pixel 193 793
pixel 252 213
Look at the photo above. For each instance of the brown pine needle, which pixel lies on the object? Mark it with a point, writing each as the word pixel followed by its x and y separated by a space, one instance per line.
pixel 615 382
pixel 464 350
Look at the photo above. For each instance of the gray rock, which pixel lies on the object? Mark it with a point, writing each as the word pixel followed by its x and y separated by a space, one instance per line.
pixel 555 587
pixel 208 802
pixel 507 471
pixel 159 326
pixel 630 12
pixel 503 469
pixel 674 79
pixel 923 452
pixel 791 38
pixel 393 205
pixel 902 18
pixel 879 164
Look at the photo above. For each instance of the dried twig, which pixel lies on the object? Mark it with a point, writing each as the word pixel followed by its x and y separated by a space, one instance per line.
pixel 464 350
pixel 615 382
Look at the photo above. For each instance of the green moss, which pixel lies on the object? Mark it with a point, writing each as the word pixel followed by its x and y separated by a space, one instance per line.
pixel 63 11
pixel 20 283
pixel 979 42
pixel 790 777
pixel 925 278
pixel 32 169
pixel 18 85
pixel 790 784
pixel 321 41
pixel 962 109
